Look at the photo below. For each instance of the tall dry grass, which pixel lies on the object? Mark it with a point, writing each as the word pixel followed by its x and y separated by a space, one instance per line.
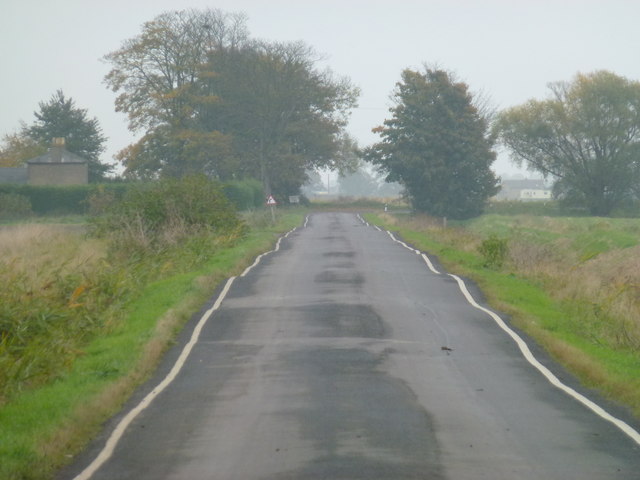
pixel 39 248
pixel 47 273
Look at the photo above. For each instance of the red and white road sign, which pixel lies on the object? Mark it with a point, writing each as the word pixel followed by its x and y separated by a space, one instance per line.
pixel 271 200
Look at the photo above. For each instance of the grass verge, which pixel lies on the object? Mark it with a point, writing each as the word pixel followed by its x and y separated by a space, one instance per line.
pixel 41 429
pixel 557 324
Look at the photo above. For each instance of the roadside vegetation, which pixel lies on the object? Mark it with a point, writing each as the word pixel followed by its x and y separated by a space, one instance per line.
pixel 572 283
pixel 88 309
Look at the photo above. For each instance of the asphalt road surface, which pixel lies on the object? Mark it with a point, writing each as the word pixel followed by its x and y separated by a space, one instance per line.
pixel 344 356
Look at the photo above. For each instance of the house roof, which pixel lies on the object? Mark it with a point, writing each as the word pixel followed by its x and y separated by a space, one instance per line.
pixel 524 183
pixel 57 154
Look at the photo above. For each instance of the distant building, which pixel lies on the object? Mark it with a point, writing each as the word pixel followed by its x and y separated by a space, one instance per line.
pixel 524 190
pixel 15 175
pixel 58 167
pixel 535 194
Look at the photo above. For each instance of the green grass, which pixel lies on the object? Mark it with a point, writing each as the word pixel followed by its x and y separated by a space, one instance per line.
pixel 40 429
pixel 558 325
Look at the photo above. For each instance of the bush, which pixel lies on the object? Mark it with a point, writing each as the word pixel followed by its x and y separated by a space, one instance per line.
pixel 494 250
pixel 73 199
pixel 245 194
pixel 165 212
pixel 13 205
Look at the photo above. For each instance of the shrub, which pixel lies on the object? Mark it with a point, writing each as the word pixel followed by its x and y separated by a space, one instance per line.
pixel 494 250
pixel 72 199
pixel 162 213
pixel 13 205
pixel 244 194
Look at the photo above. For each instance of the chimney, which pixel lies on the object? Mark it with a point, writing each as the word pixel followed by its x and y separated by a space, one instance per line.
pixel 57 147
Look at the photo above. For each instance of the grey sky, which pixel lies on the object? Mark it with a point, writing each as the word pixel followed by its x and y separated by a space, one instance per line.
pixel 509 50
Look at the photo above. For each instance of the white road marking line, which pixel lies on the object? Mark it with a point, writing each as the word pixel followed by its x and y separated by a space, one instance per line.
pixel 377 228
pixel 402 243
pixel 364 222
pixel 555 381
pixel 259 257
pixel 257 260
pixel 117 434
pixel 430 265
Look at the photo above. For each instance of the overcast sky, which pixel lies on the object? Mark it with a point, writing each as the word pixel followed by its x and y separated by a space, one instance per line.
pixel 508 49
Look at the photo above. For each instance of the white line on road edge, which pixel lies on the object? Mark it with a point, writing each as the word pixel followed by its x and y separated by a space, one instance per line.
pixel 526 352
pixel 430 265
pixel 113 440
pixel 403 244
pixel 259 257
pixel 362 220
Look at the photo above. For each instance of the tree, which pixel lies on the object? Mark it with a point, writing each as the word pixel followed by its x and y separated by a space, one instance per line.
pixel 59 117
pixel 156 73
pixel 211 100
pixel 358 183
pixel 167 152
pixel 158 78
pixel 17 148
pixel 285 116
pixel 586 136
pixel 437 146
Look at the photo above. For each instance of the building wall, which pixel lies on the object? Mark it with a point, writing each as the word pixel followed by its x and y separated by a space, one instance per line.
pixel 58 173
pixel 533 194
pixel 13 175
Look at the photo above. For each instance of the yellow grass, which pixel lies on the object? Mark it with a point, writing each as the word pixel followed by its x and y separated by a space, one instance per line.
pixel 40 250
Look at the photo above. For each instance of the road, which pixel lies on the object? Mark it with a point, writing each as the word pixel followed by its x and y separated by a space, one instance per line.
pixel 344 356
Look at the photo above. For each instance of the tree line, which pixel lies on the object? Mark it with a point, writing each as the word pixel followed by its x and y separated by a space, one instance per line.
pixel 205 97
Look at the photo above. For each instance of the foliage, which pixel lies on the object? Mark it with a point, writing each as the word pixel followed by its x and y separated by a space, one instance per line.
pixel 156 73
pixel 59 117
pixel 74 199
pixel 170 152
pixel 587 136
pixel 437 146
pixel 157 76
pixel 151 216
pixel 13 205
pixel 209 100
pixel 285 115
pixel 145 301
pixel 245 194
pixel 17 148
pixel 494 251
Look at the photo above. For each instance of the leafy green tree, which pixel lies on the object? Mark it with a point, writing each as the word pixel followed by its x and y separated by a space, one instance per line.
pixel 166 152
pixel 284 114
pixel 59 117
pixel 586 136
pixel 436 144
pixel 208 99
